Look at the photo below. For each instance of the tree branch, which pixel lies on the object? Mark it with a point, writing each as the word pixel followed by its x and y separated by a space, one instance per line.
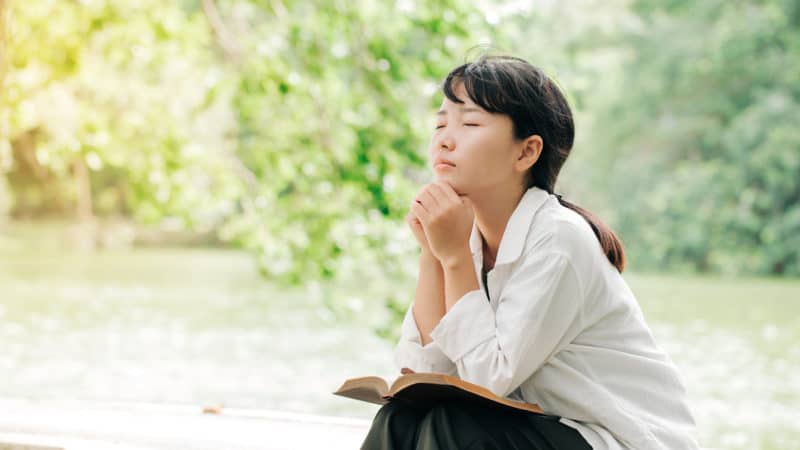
pixel 222 36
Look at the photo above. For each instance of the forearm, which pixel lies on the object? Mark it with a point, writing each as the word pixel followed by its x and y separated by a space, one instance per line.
pixel 429 306
pixel 459 278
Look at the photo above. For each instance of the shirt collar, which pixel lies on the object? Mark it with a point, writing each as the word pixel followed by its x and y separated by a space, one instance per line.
pixel 513 240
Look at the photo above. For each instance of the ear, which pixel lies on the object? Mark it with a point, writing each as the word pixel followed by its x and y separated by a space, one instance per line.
pixel 529 153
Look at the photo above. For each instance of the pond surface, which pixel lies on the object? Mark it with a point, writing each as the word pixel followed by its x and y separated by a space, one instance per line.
pixel 201 327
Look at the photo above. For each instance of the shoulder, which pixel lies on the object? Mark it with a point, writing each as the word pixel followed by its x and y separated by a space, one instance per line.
pixel 556 229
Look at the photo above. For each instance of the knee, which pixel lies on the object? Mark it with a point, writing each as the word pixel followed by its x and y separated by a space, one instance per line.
pixel 441 415
pixel 394 426
pixel 447 426
pixel 389 410
pixel 397 413
pixel 439 410
pixel 442 410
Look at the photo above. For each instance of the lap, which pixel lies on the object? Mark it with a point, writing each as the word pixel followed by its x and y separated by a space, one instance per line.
pixel 461 426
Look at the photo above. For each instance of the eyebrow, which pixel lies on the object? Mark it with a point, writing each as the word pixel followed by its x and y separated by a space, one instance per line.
pixel 464 109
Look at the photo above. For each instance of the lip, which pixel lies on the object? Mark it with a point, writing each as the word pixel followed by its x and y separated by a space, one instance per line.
pixel 443 163
pixel 443 166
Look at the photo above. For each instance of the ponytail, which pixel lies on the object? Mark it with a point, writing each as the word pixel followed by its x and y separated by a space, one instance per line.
pixel 611 244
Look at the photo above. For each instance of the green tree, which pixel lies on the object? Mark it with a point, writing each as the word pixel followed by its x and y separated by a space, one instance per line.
pixel 700 139
pixel 114 108
pixel 294 129
pixel 333 107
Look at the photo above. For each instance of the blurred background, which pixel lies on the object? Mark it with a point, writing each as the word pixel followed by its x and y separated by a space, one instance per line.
pixel 202 201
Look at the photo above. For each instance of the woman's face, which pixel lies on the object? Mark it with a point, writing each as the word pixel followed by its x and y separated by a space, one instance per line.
pixel 479 145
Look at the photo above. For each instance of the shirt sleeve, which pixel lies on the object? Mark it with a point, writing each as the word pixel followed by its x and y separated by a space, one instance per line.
pixel 538 313
pixel 410 352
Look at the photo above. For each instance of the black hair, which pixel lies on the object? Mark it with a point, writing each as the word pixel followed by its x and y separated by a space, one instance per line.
pixel 514 87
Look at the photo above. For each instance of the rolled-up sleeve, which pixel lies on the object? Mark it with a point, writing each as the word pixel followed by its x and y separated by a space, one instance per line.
pixel 410 352
pixel 538 312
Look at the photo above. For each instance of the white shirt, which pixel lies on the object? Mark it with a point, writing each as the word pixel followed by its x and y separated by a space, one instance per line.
pixel 562 329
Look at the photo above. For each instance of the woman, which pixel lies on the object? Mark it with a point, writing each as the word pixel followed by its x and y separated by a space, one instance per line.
pixel 520 291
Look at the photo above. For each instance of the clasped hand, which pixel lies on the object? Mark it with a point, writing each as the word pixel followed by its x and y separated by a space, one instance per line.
pixel 442 221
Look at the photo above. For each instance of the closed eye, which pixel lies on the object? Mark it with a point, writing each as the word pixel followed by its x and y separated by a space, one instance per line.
pixel 466 125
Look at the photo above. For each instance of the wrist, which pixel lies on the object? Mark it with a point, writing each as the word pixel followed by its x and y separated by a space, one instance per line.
pixel 429 261
pixel 458 261
pixel 427 255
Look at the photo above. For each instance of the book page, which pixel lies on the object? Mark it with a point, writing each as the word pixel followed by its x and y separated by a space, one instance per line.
pixel 425 389
pixel 412 378
pixel 368 389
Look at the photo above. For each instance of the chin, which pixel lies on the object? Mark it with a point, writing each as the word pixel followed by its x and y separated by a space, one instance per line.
pixel 459 187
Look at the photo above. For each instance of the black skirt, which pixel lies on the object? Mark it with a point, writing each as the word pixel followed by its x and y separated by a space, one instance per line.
pixel 451 426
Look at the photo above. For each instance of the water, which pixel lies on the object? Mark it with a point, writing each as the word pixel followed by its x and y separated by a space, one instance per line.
pixel 180 326
pixel 201 327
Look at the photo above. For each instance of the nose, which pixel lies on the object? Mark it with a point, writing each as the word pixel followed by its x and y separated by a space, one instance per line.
pixel 444 141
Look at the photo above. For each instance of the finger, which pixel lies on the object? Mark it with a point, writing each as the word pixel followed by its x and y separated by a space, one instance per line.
pixel 422 214
pixel 444 194
pixel 447 189
pixel 447 186
pixel 428 200
pixel 412 219
pixel 416 202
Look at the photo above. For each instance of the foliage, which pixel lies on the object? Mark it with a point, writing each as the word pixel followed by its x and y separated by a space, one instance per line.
pixel 333 102
pixel 294 129
pixel 702 145
pixel 297 129
pixel 107 110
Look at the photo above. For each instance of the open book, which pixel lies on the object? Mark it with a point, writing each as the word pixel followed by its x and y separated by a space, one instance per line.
pixel 427 389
